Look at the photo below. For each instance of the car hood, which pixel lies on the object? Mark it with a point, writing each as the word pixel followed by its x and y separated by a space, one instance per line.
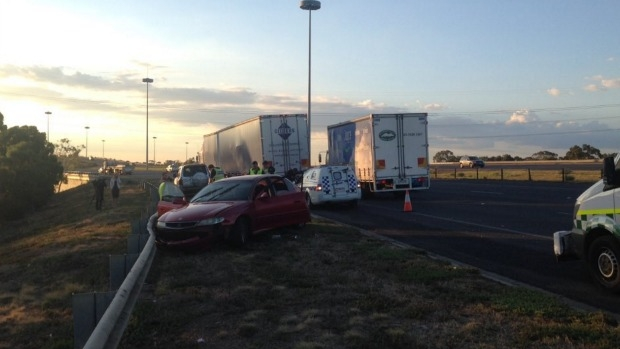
pixel 199 210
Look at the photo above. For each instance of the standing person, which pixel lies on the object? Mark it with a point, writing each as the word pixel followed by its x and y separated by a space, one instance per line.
pixel 99 185
pixel 255 170
pixel 212 173
pixel 267 168
pixel 115 186
pixel 165 180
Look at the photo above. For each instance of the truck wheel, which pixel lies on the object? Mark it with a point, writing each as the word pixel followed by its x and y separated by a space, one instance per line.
pixel 240 232
pixel 604 264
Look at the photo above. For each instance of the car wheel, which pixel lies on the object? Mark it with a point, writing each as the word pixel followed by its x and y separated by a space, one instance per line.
pixel 240 232
pixel 461 165
pixel 603 262
pixel 471 165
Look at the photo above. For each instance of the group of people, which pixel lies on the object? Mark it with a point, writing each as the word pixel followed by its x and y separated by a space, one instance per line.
pixel 267 168
pixel 115 189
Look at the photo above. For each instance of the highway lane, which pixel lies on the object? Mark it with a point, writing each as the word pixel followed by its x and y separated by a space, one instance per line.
pixel 502 227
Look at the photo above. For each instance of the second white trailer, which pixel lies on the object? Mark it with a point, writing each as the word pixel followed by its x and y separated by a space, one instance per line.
pixel 389 152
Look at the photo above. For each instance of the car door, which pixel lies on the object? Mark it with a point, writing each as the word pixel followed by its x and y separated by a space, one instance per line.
pixel 339 182
pixel 292 201
pixel 267 209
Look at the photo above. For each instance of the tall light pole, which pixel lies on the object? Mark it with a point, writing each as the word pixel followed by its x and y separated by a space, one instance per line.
pixel 103 148
pixel 154 138
pixel 147 81
pixel 86 128
pixel 48 113
pixel 309 5
pixel 186 151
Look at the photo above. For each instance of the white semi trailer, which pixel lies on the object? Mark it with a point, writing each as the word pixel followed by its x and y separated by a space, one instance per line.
pixel 281 140
pixel 389 152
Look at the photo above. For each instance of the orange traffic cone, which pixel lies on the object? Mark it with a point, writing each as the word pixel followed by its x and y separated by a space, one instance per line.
pixel 407 207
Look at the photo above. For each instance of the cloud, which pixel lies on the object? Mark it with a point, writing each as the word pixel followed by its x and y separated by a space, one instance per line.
pixel 602 84
pixel 433 106
pixel 611 83
pixel 553 92
pixel 522 117
pixel 591 88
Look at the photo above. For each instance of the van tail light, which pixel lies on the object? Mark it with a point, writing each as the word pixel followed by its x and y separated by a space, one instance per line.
pixel 318 188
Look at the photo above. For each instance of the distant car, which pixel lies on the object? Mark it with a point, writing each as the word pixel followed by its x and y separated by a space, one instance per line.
pixel 331 184
pixel 470 161
pixel 191 178
pixel 234 208
pixel 172 168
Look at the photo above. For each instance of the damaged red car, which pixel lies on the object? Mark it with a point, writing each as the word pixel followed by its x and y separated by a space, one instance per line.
pixel 234 208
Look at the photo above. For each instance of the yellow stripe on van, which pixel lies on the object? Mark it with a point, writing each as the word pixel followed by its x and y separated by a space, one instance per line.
pixel 598 212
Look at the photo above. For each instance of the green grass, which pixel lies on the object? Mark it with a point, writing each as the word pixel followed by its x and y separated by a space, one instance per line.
pixel 327 286
pixel 61 250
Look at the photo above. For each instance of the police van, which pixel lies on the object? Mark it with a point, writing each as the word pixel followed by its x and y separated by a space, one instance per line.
pixel 595 236
pixel 331 184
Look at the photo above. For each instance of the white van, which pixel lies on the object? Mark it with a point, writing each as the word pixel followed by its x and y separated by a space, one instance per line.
pixel 331 184
pixel 595 237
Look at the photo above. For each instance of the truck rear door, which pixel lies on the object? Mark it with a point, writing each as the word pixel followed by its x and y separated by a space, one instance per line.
pixel 401 146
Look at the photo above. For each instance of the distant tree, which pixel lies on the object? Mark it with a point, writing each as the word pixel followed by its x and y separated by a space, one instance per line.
pixel 583 153
pixel 444 156
pixel 607 155
pixel 28 170
pixel 68 155
pixel 507 157
pixel 544 155
pixel 593 153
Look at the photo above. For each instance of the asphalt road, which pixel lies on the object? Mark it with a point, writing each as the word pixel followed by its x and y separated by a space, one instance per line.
pixel 504 228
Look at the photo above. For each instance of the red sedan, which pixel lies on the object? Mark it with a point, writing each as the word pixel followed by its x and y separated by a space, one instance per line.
pixel 234 208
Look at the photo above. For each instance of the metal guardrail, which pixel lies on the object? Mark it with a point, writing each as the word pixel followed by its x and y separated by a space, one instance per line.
pixel 109 330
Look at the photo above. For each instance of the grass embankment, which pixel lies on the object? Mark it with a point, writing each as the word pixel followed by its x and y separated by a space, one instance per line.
pixel 328 286
pixel 516 174
pixel 325 286
pixel 51 254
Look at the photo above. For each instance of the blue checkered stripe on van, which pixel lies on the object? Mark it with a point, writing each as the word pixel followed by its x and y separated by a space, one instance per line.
pixel 325 184
pixel 352 183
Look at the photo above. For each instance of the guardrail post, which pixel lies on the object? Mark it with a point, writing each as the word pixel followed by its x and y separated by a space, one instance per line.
pixel 529 174
pixel 501 174
pixel 120 265
pixel 88 308
pixel 563 175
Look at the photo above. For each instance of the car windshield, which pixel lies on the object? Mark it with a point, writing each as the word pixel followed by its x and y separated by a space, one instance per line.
pixel 224 191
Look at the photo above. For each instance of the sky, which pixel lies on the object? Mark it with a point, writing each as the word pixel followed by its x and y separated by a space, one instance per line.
pixel 495 76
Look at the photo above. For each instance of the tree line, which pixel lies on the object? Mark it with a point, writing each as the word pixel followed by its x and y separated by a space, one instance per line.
pixel 29 170
pixel 576 152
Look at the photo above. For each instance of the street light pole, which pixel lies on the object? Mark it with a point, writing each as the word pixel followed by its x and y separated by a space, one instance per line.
pixel 154 138
pixel 147 81
pixel 309 5
pixel 48 113
pixel 86 128
pixel 186 151
pixel 103 148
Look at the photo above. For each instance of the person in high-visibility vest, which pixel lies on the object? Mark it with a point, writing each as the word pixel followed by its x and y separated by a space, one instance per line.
pixel 255 170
